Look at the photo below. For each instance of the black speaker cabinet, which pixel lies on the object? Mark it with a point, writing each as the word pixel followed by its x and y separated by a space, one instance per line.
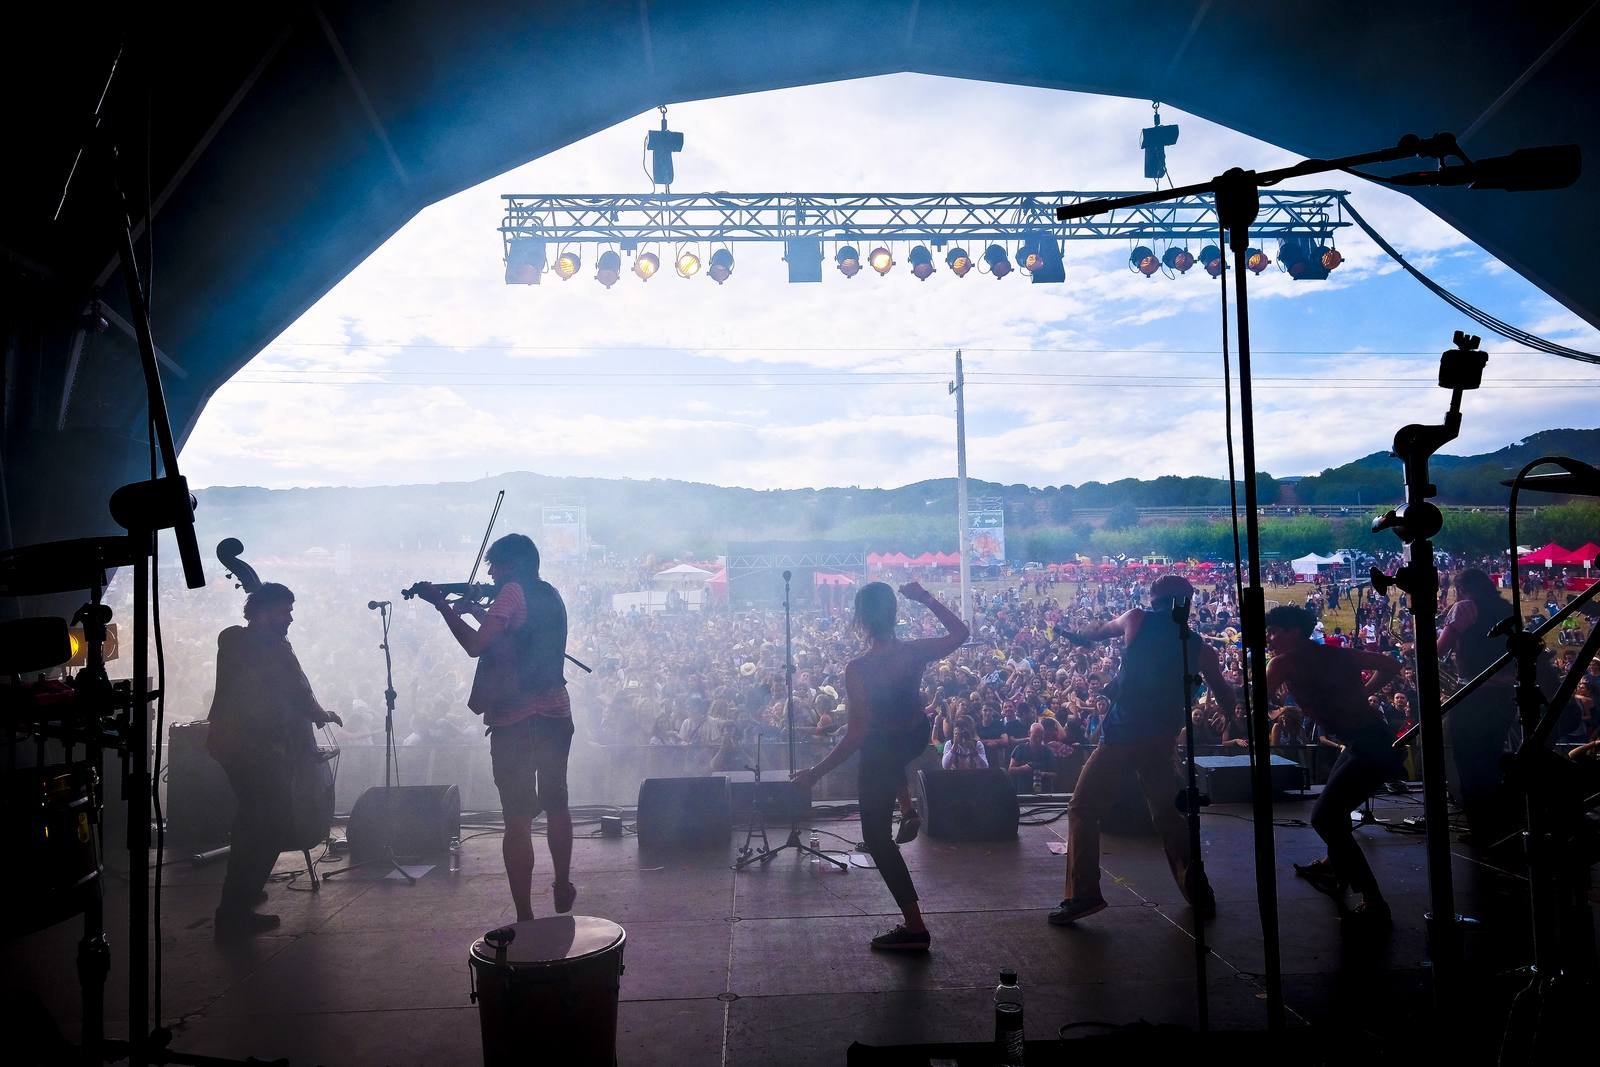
pixel 684 812
pixel 967 805
pixel 200 804
pixel 1227 778
pixel 413 820
pixel 778 798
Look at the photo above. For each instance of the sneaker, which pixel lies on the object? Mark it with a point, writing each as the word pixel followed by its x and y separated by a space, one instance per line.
pixel 1369 917
pixel 1071 910
pixel 902 940
pixel 1322 877
pixel 910 827
pixel 231 925
pixel 565 894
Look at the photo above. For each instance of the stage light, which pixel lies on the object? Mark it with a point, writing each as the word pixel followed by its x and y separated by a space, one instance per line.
pixel 567 265
pixel 525 260
pixel 958 261
pixel 608 268
pixel 1331 258
pixel 999 262
pixel 1178 259
pixel 645 265
pixel 1039 255
pixel 1143 259
pixel 688 264
pixel 921 261
pixel 881 260
pixel 1029 257
pixel 1211 260
pixel 849 261
pixel 1256 260
pixel 721 265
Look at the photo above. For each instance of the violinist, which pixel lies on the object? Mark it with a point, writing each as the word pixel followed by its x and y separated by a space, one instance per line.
pixel 258 719
pixel 521 692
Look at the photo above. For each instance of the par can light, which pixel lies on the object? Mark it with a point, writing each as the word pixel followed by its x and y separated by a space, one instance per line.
pixel 721 265
pixel 1178 259
pixel 608 268
pixel 881 260
pixel 849 261
pixel 645 265
pixel 921 261
pixel 1143 259
pixel 567 265
pixel 999 262
pixel 958 261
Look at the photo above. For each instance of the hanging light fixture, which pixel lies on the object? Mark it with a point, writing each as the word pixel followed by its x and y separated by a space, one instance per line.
pixel 921 261
pixel 999 262
pixel 688 263
pixel 958 261
pixel 1256 260
pixel 567 265
pixel 721 265
pixel 849 261
pixel 1030 257
pixel 1143 259
pixel 645 265
pixel 1178 259
pixel 608 268
pixel 1331 258
pixel 1211 260
pixel 881 260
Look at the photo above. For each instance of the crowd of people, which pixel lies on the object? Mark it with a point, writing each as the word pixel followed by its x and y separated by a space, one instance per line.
pixel 1018 697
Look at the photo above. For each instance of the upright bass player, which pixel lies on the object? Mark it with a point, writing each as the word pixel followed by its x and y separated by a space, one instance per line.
pixel 519 689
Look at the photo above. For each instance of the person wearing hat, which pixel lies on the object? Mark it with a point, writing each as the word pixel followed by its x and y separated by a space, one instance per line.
pixel 1138 738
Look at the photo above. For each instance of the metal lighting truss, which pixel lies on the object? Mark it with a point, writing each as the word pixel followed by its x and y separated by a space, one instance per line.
pixel 633 220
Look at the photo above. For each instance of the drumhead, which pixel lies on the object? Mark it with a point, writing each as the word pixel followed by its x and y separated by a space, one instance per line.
pixel 554 940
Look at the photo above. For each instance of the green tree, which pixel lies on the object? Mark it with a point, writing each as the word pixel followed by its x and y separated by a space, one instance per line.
pixel 1122 516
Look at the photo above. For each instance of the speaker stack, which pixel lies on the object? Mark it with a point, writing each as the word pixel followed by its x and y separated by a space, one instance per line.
pixel 684 812
pixel 967 805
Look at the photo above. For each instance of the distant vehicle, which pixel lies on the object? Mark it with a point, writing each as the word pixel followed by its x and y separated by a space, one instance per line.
pixel 1033 565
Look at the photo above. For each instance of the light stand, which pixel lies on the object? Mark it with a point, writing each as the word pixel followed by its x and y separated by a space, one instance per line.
pixel 763 854
pixel 1191 802
pixel 390 759
pixel 1415 522
pixel 1238 201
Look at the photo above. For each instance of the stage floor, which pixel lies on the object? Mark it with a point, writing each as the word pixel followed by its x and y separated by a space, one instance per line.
pixel 771 966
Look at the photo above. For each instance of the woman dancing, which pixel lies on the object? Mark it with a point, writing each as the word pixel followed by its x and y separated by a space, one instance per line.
pixel 886 722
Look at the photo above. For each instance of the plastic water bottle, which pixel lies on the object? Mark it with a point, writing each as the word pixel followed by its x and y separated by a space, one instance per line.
pixel 816 846
pixel 455 855
pixel 1009 1046
pixel 1038 782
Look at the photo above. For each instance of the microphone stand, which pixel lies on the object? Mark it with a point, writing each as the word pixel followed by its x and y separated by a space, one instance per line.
pixel 1191 804
pixel 764 854
pixel 1415 522
pixel 1237 194
pixel 391 762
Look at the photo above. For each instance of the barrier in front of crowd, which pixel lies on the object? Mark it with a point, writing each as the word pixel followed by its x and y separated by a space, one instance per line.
pixel 610 774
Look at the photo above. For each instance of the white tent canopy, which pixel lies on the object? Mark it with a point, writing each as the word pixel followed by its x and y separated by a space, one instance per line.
pixel 1309 563
pixel 682 575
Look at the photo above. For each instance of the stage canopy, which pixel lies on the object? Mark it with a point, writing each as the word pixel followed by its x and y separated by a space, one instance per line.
pixel 1309 563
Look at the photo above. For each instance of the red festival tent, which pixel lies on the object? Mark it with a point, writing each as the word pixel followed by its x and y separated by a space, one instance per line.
pixel 1551 553
pixel 924 560
pixel 831 578
pixel 1588 554
pixel 874 559
pixel 947 559
pixel 895 559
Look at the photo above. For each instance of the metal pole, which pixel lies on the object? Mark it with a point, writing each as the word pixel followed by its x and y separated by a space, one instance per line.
pixel 958 387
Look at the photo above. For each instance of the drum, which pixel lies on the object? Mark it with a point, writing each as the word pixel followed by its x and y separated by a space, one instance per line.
pixel 50 824
pixel 548 984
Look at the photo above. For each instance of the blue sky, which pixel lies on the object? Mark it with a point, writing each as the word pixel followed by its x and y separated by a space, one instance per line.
pixel 423 366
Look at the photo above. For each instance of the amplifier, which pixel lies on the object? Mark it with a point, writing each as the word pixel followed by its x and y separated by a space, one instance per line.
pixel 200 805
pixel 1227 778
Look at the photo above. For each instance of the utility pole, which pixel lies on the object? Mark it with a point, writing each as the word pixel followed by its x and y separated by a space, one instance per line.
pixel 958 388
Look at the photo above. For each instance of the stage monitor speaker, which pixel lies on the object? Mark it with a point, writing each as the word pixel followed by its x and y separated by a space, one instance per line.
pixel 778 798
pixel 1227 778
pixel 199 806
pixel 413 820
pixel 967 805
pixel 684 812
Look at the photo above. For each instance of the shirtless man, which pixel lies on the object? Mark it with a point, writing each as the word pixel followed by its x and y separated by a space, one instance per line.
pixel 1327 685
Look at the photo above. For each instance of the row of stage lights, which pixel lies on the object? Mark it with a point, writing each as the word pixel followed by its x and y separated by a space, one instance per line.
pixel 1300 258
pixel 608 268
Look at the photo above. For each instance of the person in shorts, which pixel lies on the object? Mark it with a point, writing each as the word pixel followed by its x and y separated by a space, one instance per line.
pixel 520 690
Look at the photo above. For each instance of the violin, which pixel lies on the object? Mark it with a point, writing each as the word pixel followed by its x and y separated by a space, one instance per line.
pixel 470 591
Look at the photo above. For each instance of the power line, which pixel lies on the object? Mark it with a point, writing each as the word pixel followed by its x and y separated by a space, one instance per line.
pixel 691 348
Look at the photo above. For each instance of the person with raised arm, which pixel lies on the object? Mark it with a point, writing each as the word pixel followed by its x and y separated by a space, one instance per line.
pixel 887 725
pixel 1138 739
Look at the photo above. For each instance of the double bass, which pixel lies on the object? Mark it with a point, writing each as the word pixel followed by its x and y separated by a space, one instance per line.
pixel 311 781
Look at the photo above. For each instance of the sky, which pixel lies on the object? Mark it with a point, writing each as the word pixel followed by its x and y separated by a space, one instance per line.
pixel 422 365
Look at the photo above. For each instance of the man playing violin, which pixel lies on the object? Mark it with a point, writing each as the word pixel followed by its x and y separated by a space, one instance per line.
pixel 521 692
pixel 258 717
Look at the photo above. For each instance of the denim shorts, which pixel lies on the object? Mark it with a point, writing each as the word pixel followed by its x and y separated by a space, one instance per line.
pixel 530 764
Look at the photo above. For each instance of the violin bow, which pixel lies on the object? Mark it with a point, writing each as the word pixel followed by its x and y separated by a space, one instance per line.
pixel 485 543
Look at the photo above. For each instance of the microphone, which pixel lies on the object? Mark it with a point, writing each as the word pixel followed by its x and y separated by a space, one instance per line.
pixel 1180 610
pixel 1525 170
pixel 786 576
pixel 374 605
